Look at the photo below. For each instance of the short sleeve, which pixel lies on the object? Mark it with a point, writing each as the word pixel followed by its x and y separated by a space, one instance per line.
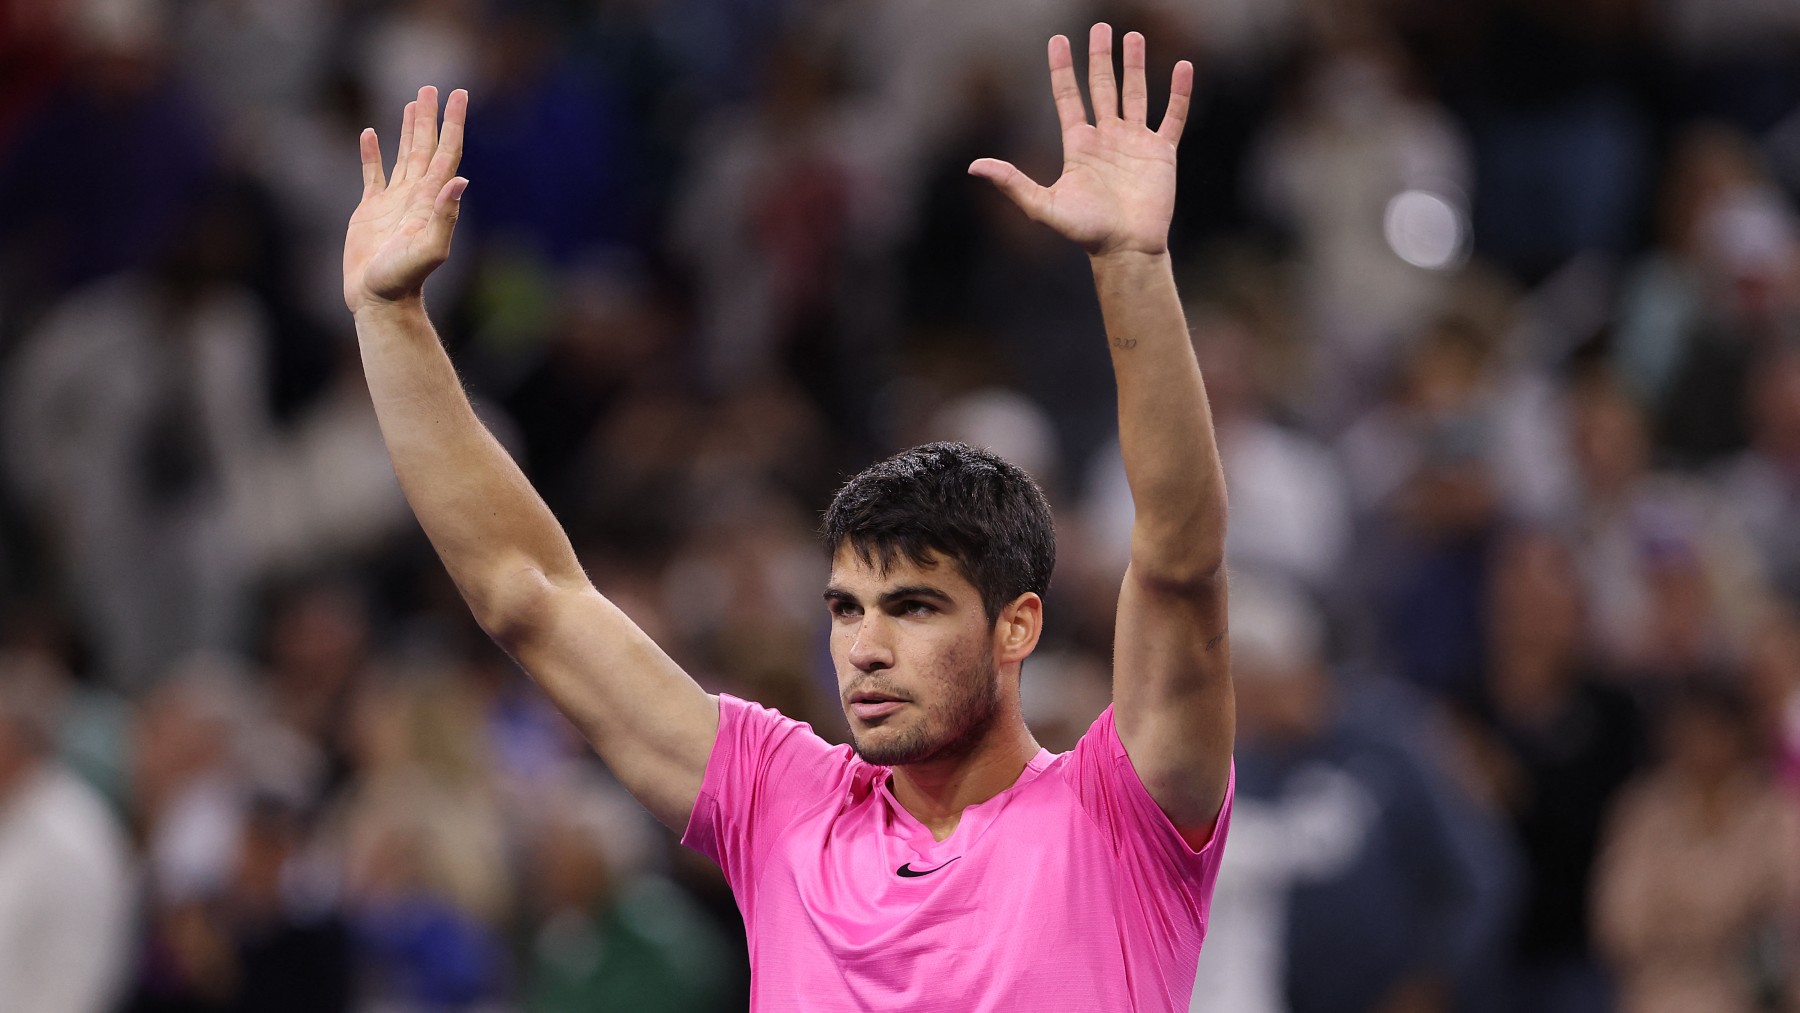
pixel 1146 843
pixel 765 769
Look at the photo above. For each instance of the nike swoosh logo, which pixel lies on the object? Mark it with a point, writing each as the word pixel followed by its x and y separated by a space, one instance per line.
pixel 908 872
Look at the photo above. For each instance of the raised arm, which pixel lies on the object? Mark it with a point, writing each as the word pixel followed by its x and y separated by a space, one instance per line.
pixel 1172 695
pixel 651 723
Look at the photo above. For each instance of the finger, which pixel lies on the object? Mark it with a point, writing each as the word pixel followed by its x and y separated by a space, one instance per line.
pixel 444 213
pixel 1132 91
pixel 424 132
pixel 1181 89
pixel 1063 86
pixel 402 153
pixel 1034 200
pixel 373 178
pixel 1102 92
pixel 450 140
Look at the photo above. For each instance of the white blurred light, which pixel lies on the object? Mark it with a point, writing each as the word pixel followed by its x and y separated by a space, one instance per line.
pixel 1427 230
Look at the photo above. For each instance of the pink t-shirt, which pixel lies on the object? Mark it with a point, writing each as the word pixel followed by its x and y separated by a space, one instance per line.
pixel 1070 890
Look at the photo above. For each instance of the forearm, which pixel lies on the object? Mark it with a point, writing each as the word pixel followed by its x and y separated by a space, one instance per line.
pixel 494 533
pixel 1165 427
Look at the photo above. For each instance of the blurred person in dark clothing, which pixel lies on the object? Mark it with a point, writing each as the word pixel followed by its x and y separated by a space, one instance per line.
pixel 1564 742
pixel 271 942
pixel 65 869
pixel 1773 669
pixel 1701 864
pixel 1402 920
pixel 99 174
pixel 1761 486
pixel 1715 295
pixel 1423 468
pixel 1667 577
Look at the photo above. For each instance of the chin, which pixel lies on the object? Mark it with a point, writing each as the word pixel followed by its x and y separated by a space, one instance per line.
pixel 891 747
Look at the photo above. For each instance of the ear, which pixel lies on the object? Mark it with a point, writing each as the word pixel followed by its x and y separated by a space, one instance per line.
pixel 1017 628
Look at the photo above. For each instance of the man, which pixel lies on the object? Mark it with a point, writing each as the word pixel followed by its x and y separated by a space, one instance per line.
pixel 66 915
pixel 948 862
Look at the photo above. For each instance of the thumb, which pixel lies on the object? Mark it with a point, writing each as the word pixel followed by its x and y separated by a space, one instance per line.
pixel 1031 198
pixel 445 211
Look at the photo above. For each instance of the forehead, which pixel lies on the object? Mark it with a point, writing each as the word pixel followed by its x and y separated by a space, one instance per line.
pixel 851 572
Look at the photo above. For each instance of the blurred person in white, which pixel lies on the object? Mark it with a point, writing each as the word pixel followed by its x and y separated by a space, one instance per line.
pixel 1291 504
pixel 916 56
pixel 1700 872
pixel 416 40
pixel 133 417
pixel 1715 295
pixel 66 876
pixel 256 63
pixel 1332 168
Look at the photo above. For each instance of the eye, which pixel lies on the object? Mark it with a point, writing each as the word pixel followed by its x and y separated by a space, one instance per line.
pixel 841 609
pixel 914 607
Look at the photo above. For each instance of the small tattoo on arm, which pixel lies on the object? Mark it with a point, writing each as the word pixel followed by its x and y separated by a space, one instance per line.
pixel 1125 343
pixel 1213 644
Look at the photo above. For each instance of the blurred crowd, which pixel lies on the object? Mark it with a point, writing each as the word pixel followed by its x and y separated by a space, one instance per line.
pixel 1498 304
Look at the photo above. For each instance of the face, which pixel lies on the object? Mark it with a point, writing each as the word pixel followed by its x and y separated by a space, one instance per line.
pixel 915 659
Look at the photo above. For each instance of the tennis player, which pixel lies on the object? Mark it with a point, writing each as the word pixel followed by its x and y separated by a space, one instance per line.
pixel 945 861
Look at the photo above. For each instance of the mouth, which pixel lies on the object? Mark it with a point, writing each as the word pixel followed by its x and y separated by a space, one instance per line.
pixel 874 706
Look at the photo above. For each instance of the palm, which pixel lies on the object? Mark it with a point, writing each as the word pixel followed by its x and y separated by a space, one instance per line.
pixel 401 230
pixel 1117 188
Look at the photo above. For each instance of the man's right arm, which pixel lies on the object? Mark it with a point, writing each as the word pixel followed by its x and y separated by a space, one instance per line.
pixel 651 723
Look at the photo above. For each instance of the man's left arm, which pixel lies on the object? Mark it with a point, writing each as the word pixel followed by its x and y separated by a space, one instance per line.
pixel 1172 699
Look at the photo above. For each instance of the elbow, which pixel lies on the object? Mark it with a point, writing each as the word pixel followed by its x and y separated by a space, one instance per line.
pixel 1186 564
pixel 514 606
pixel 1198 579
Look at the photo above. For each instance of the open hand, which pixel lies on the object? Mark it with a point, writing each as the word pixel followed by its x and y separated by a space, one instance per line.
pixel 1117 189
pixel 401 231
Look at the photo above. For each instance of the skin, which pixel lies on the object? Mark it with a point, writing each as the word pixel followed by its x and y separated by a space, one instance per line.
pixel 919 634
pixel 652 723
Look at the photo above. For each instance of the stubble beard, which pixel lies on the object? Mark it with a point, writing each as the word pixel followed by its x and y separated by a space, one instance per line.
pixel 966 720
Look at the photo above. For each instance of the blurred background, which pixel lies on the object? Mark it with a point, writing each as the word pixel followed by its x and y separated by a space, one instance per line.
pixel 1499 308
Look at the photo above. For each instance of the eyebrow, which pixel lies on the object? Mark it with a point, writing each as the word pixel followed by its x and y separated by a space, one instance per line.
pixel 838 594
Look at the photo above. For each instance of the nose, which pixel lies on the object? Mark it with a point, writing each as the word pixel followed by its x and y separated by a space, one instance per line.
pixel 871 648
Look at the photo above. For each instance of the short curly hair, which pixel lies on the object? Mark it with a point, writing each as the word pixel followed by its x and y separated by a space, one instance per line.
pixel 984 514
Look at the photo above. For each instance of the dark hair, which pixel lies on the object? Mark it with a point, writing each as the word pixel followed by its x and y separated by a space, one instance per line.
pixel 984 514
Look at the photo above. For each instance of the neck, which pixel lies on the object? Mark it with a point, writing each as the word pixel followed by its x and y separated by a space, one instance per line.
pixel 936 792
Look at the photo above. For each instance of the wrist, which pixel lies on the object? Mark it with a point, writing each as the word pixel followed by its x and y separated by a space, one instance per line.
pixel 1126 256
pixel 374 309
pixel 1128 264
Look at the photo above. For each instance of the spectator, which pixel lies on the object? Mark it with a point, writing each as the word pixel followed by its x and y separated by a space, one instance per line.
pixel 1567 739
pixel 610 933
pixel 1699 863
pixel 65 870
pixel 134 416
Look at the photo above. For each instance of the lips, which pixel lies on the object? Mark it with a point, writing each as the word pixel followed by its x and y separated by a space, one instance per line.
pixel 871 705
pixel 871 710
